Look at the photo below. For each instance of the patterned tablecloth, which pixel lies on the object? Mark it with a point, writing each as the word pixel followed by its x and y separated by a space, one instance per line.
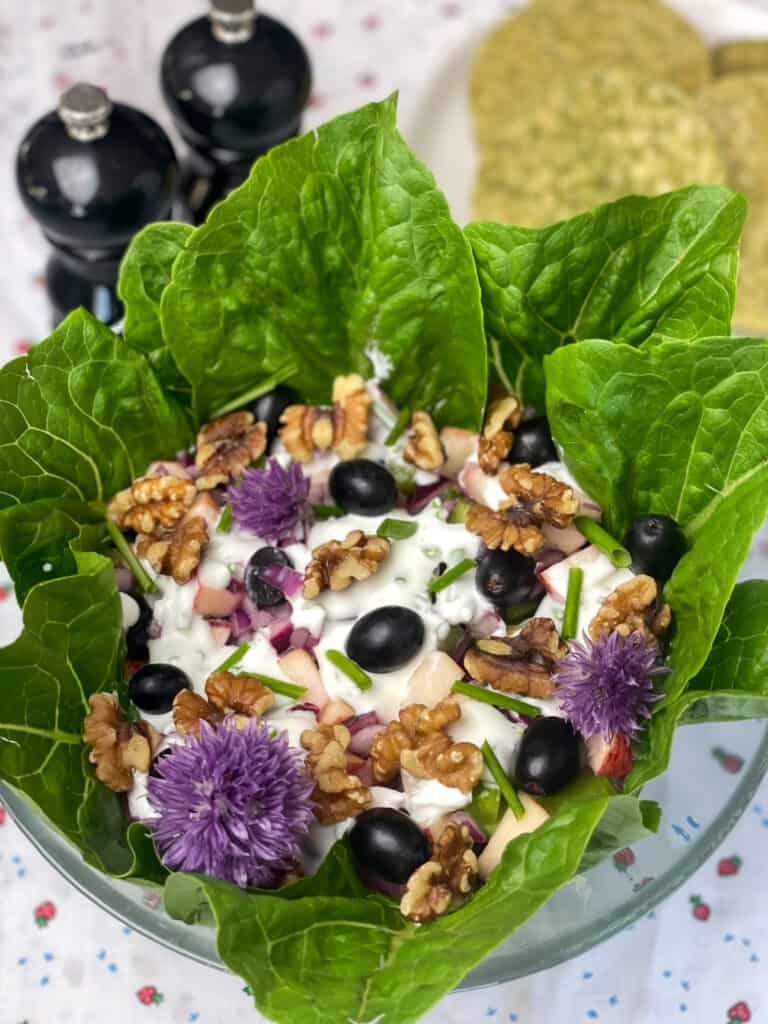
pixel 702 956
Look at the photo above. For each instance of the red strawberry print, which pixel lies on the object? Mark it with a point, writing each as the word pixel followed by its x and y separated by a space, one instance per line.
pixel 44 914
pixel 2 815
pixel 371 22
pixel 624 859
pixel 729 866
pixel 22 346
pixel 739 1013
pixel 149 995
pixel 367 79
pixel 4 593
pixel 322 30
pixel 701 911
pixel 731 763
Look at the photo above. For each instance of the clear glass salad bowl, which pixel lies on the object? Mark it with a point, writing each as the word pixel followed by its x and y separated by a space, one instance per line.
pixel 714 772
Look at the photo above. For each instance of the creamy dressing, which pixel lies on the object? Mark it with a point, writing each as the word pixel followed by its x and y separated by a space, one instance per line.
pixel 601 577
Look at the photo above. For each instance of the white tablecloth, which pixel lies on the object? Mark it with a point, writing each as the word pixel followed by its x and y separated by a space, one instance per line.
pixel 699 957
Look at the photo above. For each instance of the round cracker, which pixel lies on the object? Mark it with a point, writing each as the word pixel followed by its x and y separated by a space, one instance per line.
pixel 735 107
pixel 591 139
pixel 551 38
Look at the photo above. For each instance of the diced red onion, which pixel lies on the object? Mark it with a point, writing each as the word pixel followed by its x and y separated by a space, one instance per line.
pixel 284 578
pixel 241 624
pixel 306 706
pixel 390 889
pixel 422 496
pixel 362 741
pixel 123 579
pixel 364 721
pixel 280 637
pixel 462 818
pixel 236 586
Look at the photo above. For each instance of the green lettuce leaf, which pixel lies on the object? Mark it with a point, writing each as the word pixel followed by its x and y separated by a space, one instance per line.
pixel 145 270
pixel 38 540
pixel 339 244
pixel 81 416
pixel 679 429
pixel 663 266
pixel 732 684
pixel 320 960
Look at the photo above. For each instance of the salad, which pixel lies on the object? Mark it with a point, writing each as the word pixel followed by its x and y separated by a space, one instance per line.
pixel 366 577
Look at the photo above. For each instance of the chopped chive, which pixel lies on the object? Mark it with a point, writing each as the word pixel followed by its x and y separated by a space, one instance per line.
pixel 572 601
pixel 400 424
pixel 327 511
pixel 517 613
pixel 143 578
pixel 499 700
pixel 450 575
pixel 225 519
pixel 397 529
pixel 344 664
pixel 278 686
pixel 460 510
pixel 506 788
pixel 233 659
pixel 596 535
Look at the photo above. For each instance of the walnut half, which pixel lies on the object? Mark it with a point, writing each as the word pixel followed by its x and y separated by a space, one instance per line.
pixel 523 663
pixel 424 448
pixel 498 434
pixel 343 426
pixel 337 794
pixel 117 746
pixel 226 445
pixel 243 696
pixel 630 607
pixel 445 880
pixel 337 564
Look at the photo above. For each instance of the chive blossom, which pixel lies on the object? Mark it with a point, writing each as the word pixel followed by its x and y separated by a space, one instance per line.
pixel 596 535
pixel 506 788
pixel 233 659
pixel 397 529
pixel 498 700
pixel 143 578
pixel 572 602
pixel 451 575
pixel 350 668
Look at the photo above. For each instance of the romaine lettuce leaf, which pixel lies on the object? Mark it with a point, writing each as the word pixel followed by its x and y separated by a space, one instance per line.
pixel 337 246
pixel 732 684
pixel 81 415
pixel 680 429
pixel 145 270
pixel 663 266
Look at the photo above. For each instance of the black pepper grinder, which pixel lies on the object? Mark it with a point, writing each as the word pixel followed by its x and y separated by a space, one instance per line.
pixel 91 174
pixel 236 84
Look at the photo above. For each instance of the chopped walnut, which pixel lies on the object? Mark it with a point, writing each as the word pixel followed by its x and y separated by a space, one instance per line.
pixel 240 695
pixel 538 497
pixel 344 427
pixel 337 564
pixel 351 405
pixel 499 530
pixel 417 742
pixel 117 746
pixel 337 794
pixel 519 664
pixel 632 606
pixel 178 555
pixel 152 504
pixel 424 448
pixel 226 445
pixel 444 881
pixel 498 434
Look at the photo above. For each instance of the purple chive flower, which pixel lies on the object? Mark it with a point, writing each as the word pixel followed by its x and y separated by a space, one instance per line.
pixel 605 686
pixel 234 804
pixel 273 502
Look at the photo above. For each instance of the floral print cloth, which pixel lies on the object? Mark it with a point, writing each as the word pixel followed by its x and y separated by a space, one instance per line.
pixel 703 955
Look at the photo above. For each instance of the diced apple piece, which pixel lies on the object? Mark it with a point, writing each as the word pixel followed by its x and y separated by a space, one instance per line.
pixel 217 604
pixel 432 679
pixel 335 712
pixel 567 540
pixel 510 828
pixel 598 569
pixel 457 445
pixel 610 757
pixel 221 634
pixel 299 667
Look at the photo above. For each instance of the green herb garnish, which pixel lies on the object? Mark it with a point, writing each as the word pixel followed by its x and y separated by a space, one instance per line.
pixel 328 511
pixel 143 578
pixel 233 659
pixel 397 529
pixel 451 575
pixel 350 668
pixel 596 535
pixel 225 519
pixel 572 601
pixel 502 781
pixel 460 510
pixel 400 424
pixel 283 688
pixel 498 700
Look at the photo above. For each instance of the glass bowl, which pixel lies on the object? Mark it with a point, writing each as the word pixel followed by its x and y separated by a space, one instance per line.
pixel 714 773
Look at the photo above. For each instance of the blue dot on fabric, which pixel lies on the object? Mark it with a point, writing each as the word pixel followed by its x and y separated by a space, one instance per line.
pixel 48 956
pixel 683 1008
pixel 193 1017
pixel 765 822
pixel 16 859
pixel 667 974
pixel 593 1014
pixel 44 980
pixel 728 937
pixel 21 873
pixel 754 958
pixel 746 942
pixel 127 931
pixel 513 1017
pixel 21 961
pixel 101 955
pixel 587 975
pixel 614 1001
pixel 491 1011
pixel 112 968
